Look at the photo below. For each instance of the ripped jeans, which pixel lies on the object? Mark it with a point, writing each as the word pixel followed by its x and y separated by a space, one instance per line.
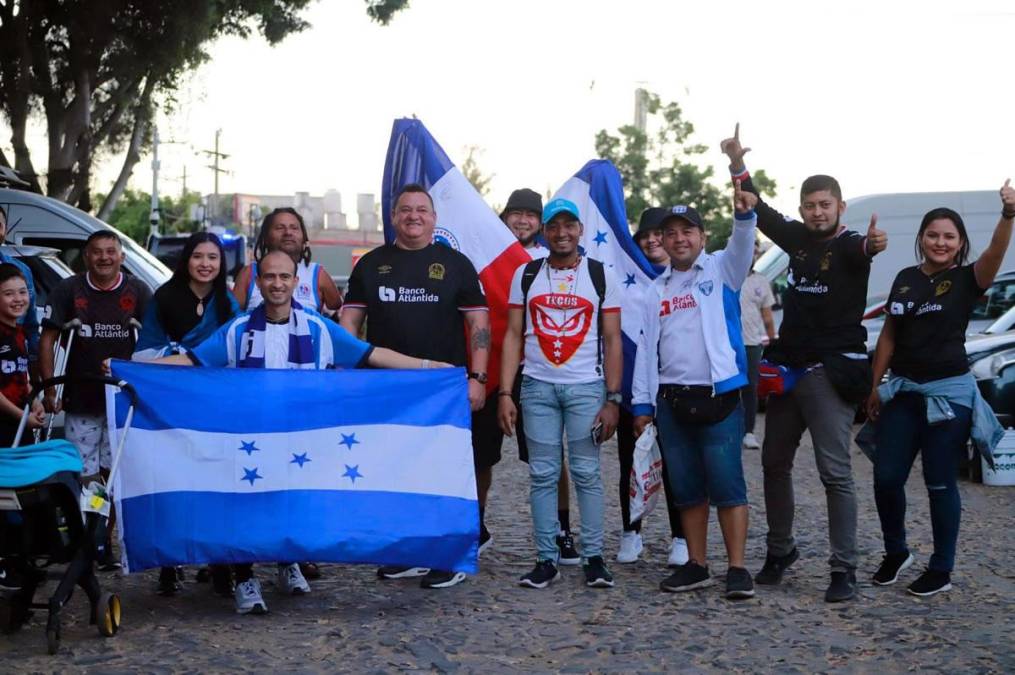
pixel 903 432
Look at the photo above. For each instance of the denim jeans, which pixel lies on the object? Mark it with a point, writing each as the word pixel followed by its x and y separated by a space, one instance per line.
pixel 550 410
pixel 903 432
pixel 703 461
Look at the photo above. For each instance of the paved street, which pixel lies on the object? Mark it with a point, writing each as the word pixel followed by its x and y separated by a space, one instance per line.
pixel 353 622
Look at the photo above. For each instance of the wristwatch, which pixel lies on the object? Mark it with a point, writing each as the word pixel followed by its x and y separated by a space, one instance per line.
pixel 614 397
pixel 478 377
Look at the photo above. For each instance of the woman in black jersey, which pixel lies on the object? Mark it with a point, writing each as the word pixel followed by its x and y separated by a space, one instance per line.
pixel 183 313
pixel 930 403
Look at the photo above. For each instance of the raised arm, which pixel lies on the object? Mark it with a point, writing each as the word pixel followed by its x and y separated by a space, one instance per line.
pixel 739 252
pixel 986 266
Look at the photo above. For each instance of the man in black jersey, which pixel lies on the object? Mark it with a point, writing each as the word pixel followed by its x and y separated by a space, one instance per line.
pixel 417 297
pixel 822 342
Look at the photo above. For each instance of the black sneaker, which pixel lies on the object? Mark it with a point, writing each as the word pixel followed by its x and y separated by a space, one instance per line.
pixel 775 566
pixel 842 587
pixel 401 572
pixel 11 578
pixel 169 582
pixel 739 583
pixel 106 561
pixel 929 583
pixel 891 565
pixel 596 573
pixel 568 552
pixel 440 579
pixel 541 576
pixel 485 540
pixel 687 577
pixel 222 580
pixel 310 570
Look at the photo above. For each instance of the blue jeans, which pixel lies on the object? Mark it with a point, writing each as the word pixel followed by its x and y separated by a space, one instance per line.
pixel 703 461
pixel 903 432
pixel 548 410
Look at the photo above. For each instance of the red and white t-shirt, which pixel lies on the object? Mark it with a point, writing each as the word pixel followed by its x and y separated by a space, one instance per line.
pixel 561 322
pixel 682 355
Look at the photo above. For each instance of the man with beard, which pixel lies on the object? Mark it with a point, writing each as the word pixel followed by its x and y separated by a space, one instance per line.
pixel 821 346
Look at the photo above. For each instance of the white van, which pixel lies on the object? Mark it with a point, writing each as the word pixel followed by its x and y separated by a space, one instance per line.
pixel 36 220
pixel 899 215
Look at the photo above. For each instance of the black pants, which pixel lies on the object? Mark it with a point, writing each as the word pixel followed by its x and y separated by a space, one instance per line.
pixel 625 443
pixel 750 392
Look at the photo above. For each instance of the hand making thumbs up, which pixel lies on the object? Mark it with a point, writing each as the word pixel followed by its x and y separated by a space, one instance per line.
pixel 877 240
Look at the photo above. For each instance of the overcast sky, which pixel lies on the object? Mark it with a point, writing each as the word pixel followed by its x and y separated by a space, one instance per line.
pixel 886 96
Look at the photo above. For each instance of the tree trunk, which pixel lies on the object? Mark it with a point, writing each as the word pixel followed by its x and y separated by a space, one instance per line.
pixel 142 115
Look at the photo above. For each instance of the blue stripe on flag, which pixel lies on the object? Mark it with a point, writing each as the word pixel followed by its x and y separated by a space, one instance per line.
pixel 414 156
pixel 249 401
pixel 606 188
pixel 193 528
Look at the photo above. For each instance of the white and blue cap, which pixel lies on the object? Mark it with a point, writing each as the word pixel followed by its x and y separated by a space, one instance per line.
pixel 555 206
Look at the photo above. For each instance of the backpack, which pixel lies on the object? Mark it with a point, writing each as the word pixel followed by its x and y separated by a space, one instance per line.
pixel 597 271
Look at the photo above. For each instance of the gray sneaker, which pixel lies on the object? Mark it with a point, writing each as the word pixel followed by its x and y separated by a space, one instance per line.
pixel 248 598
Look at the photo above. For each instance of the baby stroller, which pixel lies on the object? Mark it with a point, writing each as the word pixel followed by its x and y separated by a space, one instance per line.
pixel 48 518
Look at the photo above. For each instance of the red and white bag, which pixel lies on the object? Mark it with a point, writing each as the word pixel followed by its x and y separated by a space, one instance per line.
pixel 646 474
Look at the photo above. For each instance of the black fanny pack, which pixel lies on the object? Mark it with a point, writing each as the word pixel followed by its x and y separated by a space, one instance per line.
pixel 698 404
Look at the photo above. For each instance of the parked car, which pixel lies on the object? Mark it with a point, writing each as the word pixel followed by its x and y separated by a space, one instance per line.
pixel 37 220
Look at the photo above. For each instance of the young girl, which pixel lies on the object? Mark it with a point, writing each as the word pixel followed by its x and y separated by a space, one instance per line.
pixel 931 404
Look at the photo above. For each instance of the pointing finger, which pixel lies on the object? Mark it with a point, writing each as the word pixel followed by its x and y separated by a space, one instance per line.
pixel 736 132
pixel 1007 182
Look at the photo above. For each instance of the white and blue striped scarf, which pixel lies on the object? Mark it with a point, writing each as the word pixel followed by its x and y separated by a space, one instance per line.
pixel 301 347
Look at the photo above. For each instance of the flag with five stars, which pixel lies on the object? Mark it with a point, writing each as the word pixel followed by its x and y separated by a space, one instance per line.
pixel 598 191
pixel 225 465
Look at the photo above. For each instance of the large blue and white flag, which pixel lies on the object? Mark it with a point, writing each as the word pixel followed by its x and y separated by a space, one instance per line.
pixel 251 465
pixel 598 191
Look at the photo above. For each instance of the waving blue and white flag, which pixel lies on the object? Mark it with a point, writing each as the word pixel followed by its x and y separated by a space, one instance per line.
pixel 252 465
pixel 598 191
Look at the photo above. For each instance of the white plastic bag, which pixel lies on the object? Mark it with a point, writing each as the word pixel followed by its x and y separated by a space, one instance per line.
pixel 646 474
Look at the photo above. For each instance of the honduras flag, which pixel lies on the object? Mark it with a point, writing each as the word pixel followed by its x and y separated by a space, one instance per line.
pixel 464 220
pixel 598 191
pixel 227 465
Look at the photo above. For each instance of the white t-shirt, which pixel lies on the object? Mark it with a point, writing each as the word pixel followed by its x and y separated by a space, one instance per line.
pixel 682 355
pixel 755 294
pixel 561 322
pixel 276 345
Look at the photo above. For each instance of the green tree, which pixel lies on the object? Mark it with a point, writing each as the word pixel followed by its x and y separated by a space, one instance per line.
pixel 132 214
pixel 472 172
pixel 661 167
pixel 96 72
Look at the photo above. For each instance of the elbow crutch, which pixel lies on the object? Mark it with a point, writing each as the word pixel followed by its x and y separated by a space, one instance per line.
pixel 61 359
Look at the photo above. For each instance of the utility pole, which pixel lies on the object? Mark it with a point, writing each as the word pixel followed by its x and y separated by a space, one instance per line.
pixel 154 217
pixel 214 166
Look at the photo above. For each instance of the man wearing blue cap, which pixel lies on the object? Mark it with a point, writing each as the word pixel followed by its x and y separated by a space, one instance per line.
pixel 565 311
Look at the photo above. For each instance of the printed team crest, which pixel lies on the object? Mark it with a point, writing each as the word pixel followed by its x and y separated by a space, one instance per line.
pixel 384 269
pixel 705 287
pixel 560 323
pixel 437 271
pixel 943 288
pixel 304 290
pixel 826 261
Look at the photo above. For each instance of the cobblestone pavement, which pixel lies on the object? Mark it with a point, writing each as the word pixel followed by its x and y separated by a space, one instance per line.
pixel 353 622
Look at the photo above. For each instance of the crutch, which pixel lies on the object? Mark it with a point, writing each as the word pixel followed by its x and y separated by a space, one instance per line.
pixel 61 359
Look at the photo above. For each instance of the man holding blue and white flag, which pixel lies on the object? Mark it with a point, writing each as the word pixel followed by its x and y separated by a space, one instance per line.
pixel 282 334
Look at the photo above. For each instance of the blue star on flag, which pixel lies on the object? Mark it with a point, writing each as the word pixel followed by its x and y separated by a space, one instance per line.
pixel 300 459
pixel 348 440
pixel 251 475
pixel 600 237
pixel 248 447
pixel 629 281
pixel 352 473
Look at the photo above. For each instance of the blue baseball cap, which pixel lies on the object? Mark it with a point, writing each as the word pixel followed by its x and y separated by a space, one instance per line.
pixel 555 206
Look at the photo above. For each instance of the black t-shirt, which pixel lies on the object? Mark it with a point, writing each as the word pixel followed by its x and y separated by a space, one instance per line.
pixel 931 314
pixel 824 302
pixel 414 300
pixel 105 332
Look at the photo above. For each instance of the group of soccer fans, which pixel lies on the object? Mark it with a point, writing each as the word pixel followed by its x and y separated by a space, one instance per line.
pixel 417 304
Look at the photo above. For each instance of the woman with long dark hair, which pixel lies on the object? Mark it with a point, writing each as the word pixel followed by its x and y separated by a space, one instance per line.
pixel 183 313
pixel 931 404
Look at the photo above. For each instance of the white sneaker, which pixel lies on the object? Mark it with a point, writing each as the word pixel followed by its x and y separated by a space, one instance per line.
pixel 291 581
pixel 248 598
pixel 678 553
pixel 630 547
pixel 751 442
